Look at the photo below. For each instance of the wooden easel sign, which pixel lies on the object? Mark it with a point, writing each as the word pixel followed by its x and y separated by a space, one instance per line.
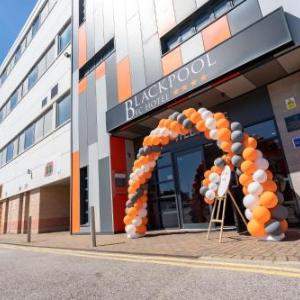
pixel 219 207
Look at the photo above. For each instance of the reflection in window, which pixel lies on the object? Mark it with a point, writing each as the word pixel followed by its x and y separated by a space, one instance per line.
pixel 64 110
pixel 165 174
pixel 29 136
pixel 264 130
pixel 9 152
pixel 166 188
pixel 164 160
pixel 64 38
pixel 222 7
pixel 32 78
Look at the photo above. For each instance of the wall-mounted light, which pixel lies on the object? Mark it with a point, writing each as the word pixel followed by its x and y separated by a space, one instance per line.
pixel 67 54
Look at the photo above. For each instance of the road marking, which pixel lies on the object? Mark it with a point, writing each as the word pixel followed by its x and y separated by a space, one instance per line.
pixel 178 262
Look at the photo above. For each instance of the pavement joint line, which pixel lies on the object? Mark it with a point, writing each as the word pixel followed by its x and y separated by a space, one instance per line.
pixel 168 261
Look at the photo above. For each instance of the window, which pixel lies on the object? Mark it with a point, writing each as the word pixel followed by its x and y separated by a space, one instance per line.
pixel 21 142
pixel 35 26
pixel 63 110
pixel 195 23
pixel 82 11
pixel 9 152
pixel 29 136
pixel 39 129
pixel 1 115
pixel 64 38
pixel 42 67
pixel 13 100
pixel 32 78
pixel 48 122
pixel 44 13
pixel 15 142
pixel 50 56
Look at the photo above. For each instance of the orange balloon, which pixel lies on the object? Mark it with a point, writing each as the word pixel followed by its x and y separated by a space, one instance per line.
pixel 224 134
pixel 132 212
pixel 164 140
pixel 207 173
pixel 175 126
pixel 269 174
pixel 143 199
pixel 145 220
pixel 248 167
pixel 219 116
pixel 195 117
pixel 209 201
pixel 250 142
pixel 200 126
pixel 245 190
pixel 138 204
pixel 226 146
pixel 284 226
pixel 188 112
pixel 216 169
pixel 205 182
pixel 261 214
pixel 245 179
pixel 249 154
pixel 223 123
pixel 206 134
pixel 256 229
pixel 268 199
pixel 161 123
pixel 141 229
pixel 245 137
pixel 270 186
pixel 127 220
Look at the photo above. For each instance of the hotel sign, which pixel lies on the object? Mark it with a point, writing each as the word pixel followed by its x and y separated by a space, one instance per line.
pixel 262 38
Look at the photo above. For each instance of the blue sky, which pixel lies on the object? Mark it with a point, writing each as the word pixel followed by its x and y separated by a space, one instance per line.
pixel 13 14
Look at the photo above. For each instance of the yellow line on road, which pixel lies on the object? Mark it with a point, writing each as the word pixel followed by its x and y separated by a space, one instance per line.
pixel 178 262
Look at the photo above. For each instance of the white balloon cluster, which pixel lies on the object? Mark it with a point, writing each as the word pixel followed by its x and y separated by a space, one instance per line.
pixel 137 221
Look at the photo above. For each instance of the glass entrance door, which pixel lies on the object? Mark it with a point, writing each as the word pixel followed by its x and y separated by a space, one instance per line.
pixel 190 168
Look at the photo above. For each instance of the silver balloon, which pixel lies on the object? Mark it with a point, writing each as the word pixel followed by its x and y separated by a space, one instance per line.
pixel 237 160
pixel 181 118
pixel 237 148
pixel 236 126
pixel 203 190
pixel 173 116
pixel 273 227
pixel 187 124
pixel 219 162
pixel 237 136
pixel 279 212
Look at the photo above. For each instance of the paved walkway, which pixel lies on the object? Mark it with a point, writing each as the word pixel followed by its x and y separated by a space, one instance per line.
pixel 174 243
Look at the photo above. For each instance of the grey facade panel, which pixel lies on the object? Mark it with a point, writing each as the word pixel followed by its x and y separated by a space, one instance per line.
pixel 75 23
pixel 91 109
pixel 99 26
pixel 120 29
pixel 147 18
pixel 244 15
pixel 90 29
pixel 108 15
pixel 83 133
pixel 111 81
pixel 238 109
pixel 131 8
pixel 106 213
pixel 183 9
pixel 152 55
pixel 136 54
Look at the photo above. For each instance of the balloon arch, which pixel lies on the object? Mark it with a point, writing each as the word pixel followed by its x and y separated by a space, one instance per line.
pixel 261 199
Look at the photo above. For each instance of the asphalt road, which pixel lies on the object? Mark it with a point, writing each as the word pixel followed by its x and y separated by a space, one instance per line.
pixel 28 273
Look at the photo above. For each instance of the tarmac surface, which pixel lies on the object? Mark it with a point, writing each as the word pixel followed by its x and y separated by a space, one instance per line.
pixel 43 273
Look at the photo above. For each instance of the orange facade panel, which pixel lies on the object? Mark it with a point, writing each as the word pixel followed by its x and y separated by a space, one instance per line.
pixel 82 45
pixel 216 33
pixel 82 85
pixel 100 71
pixel 75 192
pixel 124 79
pixel 172 61
pixel 165 16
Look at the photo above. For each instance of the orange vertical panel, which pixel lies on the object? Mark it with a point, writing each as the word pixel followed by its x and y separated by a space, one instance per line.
pixel 124 79
pixel 82 85
pixel 172 61
pixel 165 16
pixel 216 33
pixel 100 71
pixel 75 193
pixel 82 45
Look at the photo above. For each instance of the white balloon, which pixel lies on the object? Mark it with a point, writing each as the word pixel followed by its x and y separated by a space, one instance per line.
pixel 174 135
pixel 152 164
pixel 165 132
pixel 143 213
pixel 213 134
pixel 210 195
pixel 259 154
pixel 248 214
pixel 145 205
pixel 210 123
pixel 219 143
pixel 201 110
pixel 250 201
pixel 213 186
pixel 255 188
pixel 262 163
pixel 130 229
pixel 137 221
pixel 260 176
pixel 206 114
pixel 214 177
pixel 130 182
